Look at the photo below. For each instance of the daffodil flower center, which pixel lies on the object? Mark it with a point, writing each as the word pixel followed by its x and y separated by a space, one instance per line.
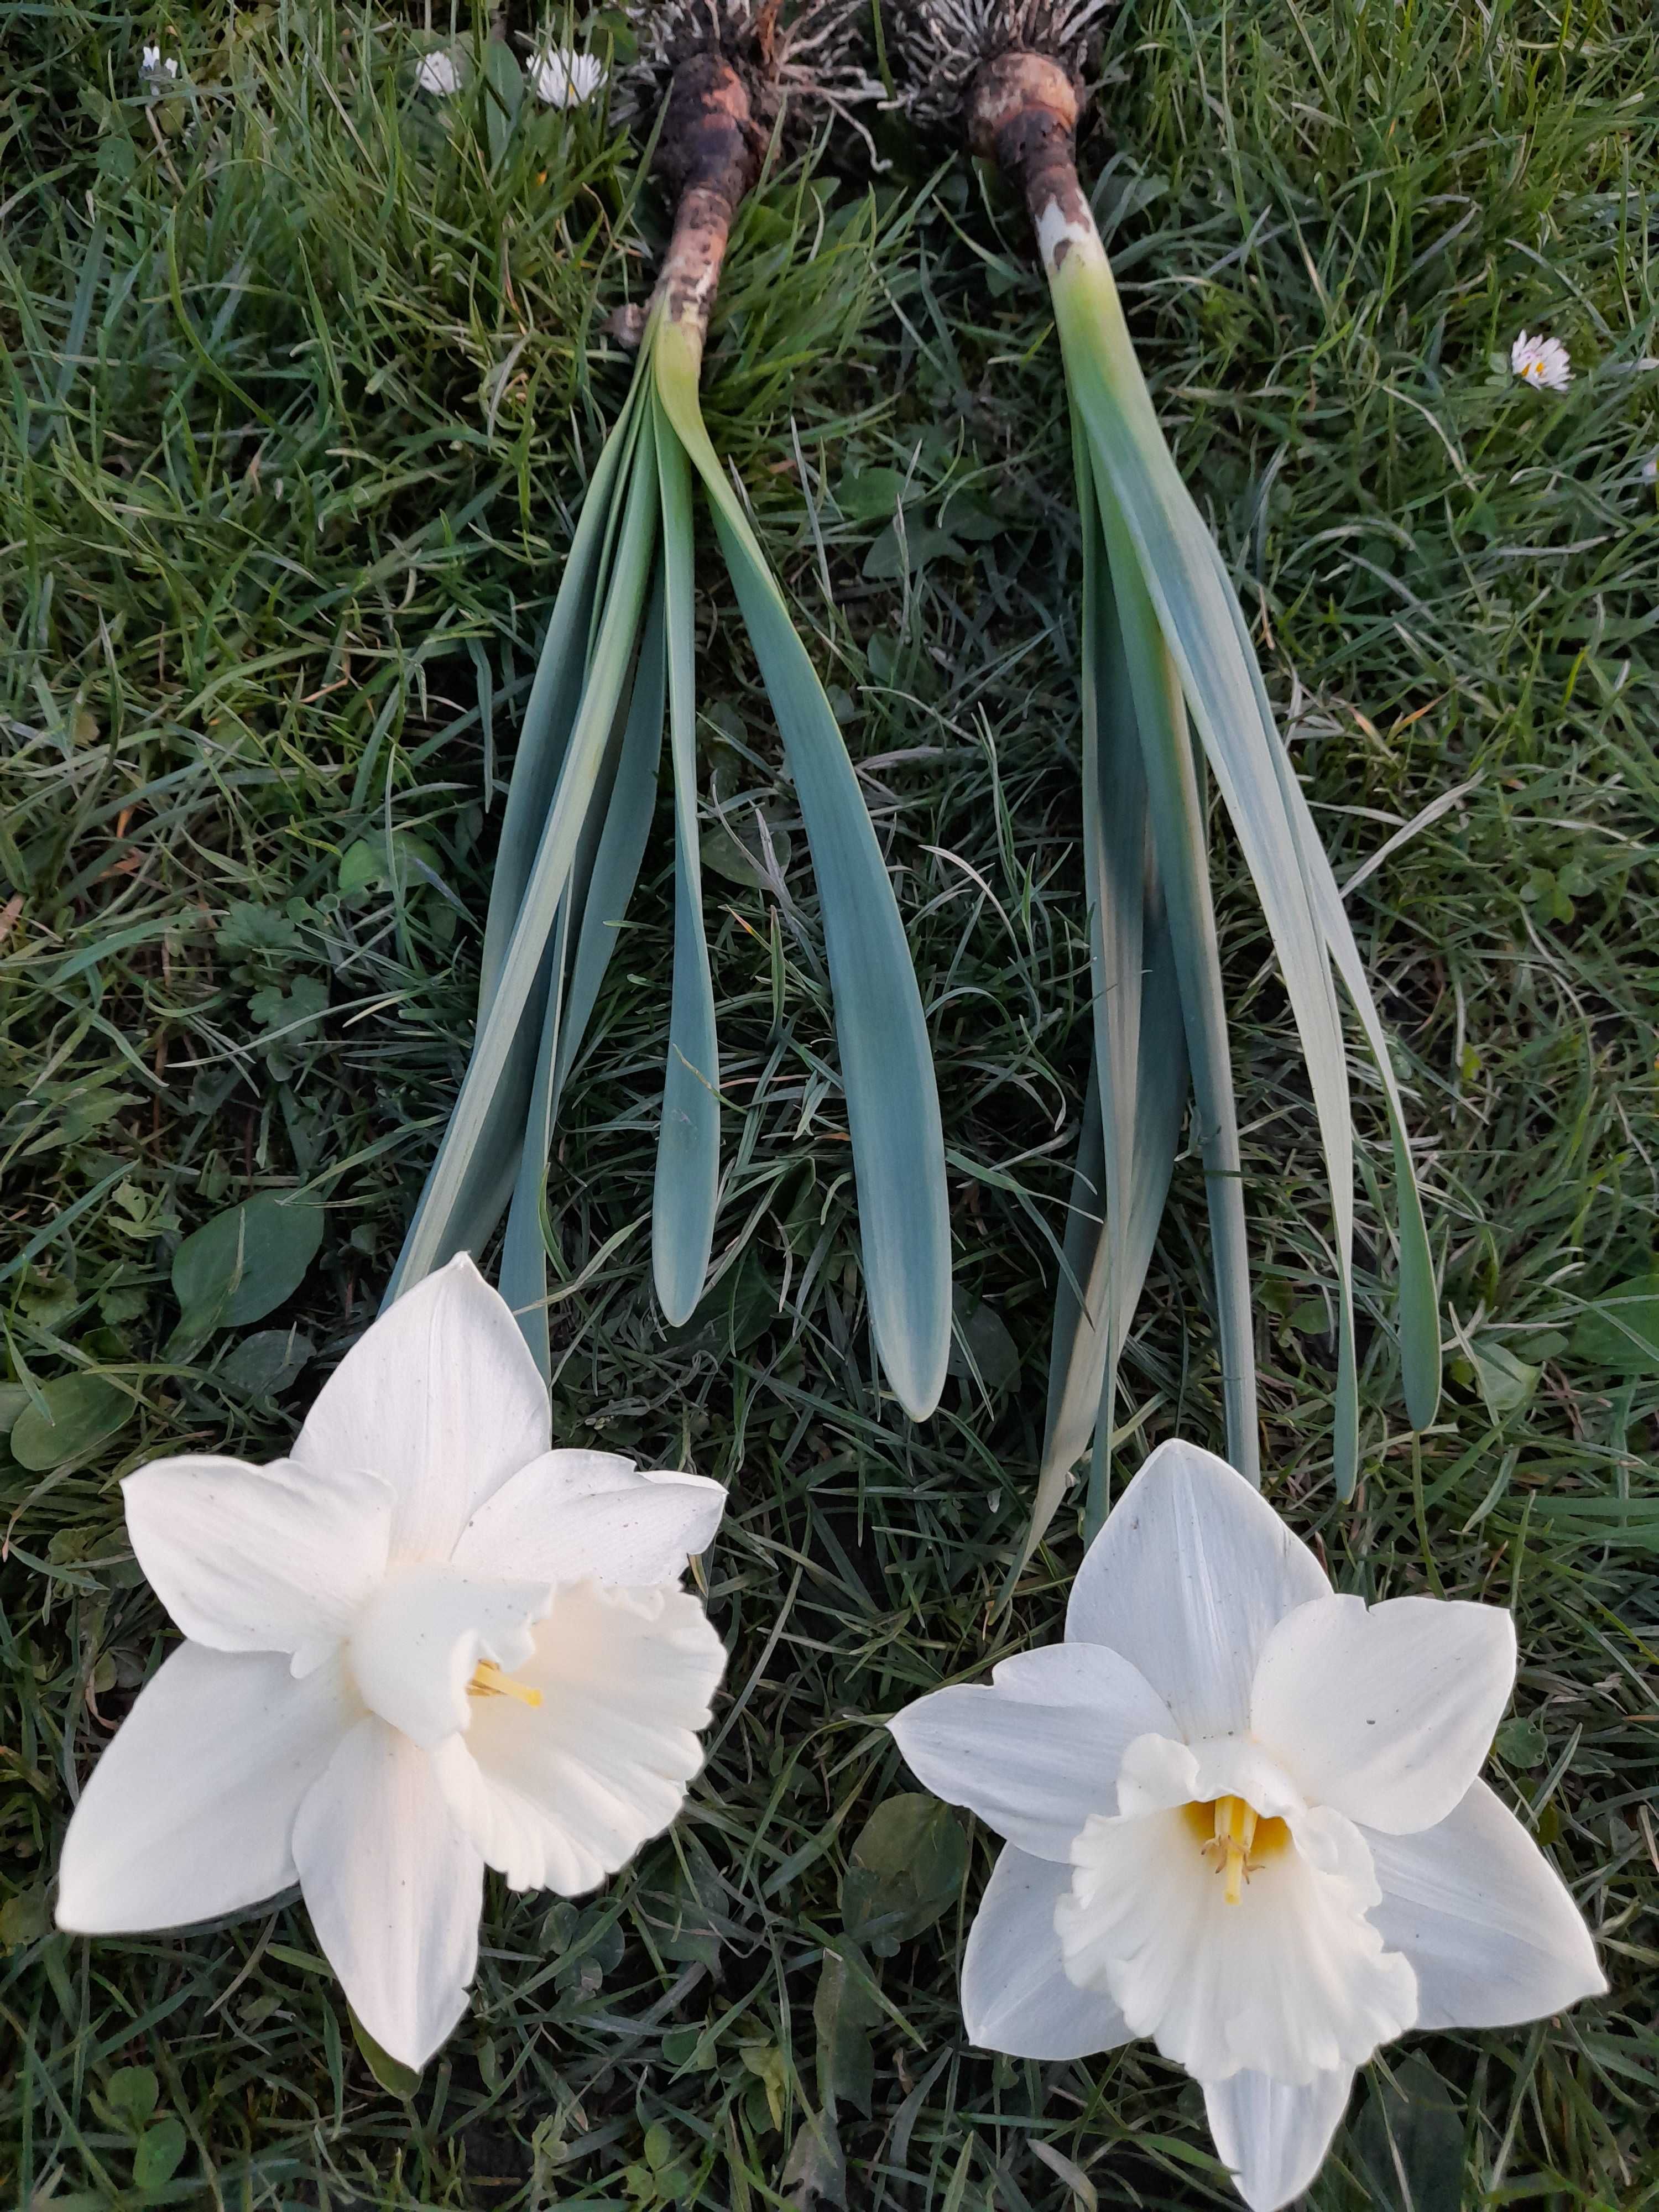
pixel 1235 1838
pixel 488 1682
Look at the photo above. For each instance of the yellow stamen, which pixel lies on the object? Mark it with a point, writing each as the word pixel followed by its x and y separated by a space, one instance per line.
pixel 1236 1840
pixel 1235 1832
pixel 488 1682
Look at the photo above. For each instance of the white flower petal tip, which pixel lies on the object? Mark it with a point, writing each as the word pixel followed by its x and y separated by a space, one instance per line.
pixel 562 77
pixel 1243 1820
pixel 156 71
pixel 573 1516
pixel 1273 2139
pixel 1190 1575
pixel 439 73
pixel 1541 361
pixel 442 1397
pixel 1485 1919
pixel 1385 1712
pixel 1015 1995
pixel 424 1644
pixel 1037 1753
pixel 189 1814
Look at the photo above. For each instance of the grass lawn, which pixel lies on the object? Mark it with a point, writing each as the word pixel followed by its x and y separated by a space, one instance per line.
pixel 300 396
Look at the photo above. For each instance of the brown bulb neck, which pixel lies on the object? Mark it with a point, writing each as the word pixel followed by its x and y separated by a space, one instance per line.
pixel 1022 114
pixel 711 154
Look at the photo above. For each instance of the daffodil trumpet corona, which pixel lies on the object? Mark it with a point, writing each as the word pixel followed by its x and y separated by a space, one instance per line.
pixel 620 650
pixel 1242 1816
pixel 1166 656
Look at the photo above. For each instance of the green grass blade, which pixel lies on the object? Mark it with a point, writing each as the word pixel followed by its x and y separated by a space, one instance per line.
pixel 1200 627
pixel 480 1152
pixel 688 1143
pixel 887 1072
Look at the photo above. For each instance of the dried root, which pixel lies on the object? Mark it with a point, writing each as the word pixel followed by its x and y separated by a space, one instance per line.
pixel 941 45
pixel 806 55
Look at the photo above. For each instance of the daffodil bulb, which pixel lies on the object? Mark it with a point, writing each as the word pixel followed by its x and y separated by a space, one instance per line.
pixel 562 77
pixel 1244 1819
pixel 423 1644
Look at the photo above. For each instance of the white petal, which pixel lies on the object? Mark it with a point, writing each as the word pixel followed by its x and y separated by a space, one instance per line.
pixel 442 1396
pixel 1274 2138
pixel 417 1642
pixel 189 1814
pixel 560 1794
pixel 437 72
pixel 259 1559
pixel 1015 1995
pixel 1485 1919
pixel 1190 1574
pixel 1158 1774
pixel 1037 1753
pixel 1293 1980
pixel 1385 1712
pixel 573 1516
pixel 393 1889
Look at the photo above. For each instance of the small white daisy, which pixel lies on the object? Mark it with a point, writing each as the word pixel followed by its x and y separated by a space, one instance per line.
pixel 560 77
pixel 154 70
pixel 1541 361
pixel 437 73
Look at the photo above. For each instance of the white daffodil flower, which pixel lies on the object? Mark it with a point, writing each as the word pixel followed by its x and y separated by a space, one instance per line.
pixel 439 73
pixel 1541 361
pixel 423 1645
pixel 1242 1817
pixel 562 77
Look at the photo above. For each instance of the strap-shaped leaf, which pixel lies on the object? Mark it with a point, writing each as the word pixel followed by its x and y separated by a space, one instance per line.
pixel 590 920
pixel 1197 616
pixel 481 1147
pixel 887 1072
pixel 1138 1074
pixel 1175 807
pixel 608 885
pixel 555 695
pixel 689 1138
pixel 480 1193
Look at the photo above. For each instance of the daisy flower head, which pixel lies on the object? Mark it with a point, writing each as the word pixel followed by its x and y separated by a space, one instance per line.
pixel 437 73
pixel 562 77
pixel 1541 361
